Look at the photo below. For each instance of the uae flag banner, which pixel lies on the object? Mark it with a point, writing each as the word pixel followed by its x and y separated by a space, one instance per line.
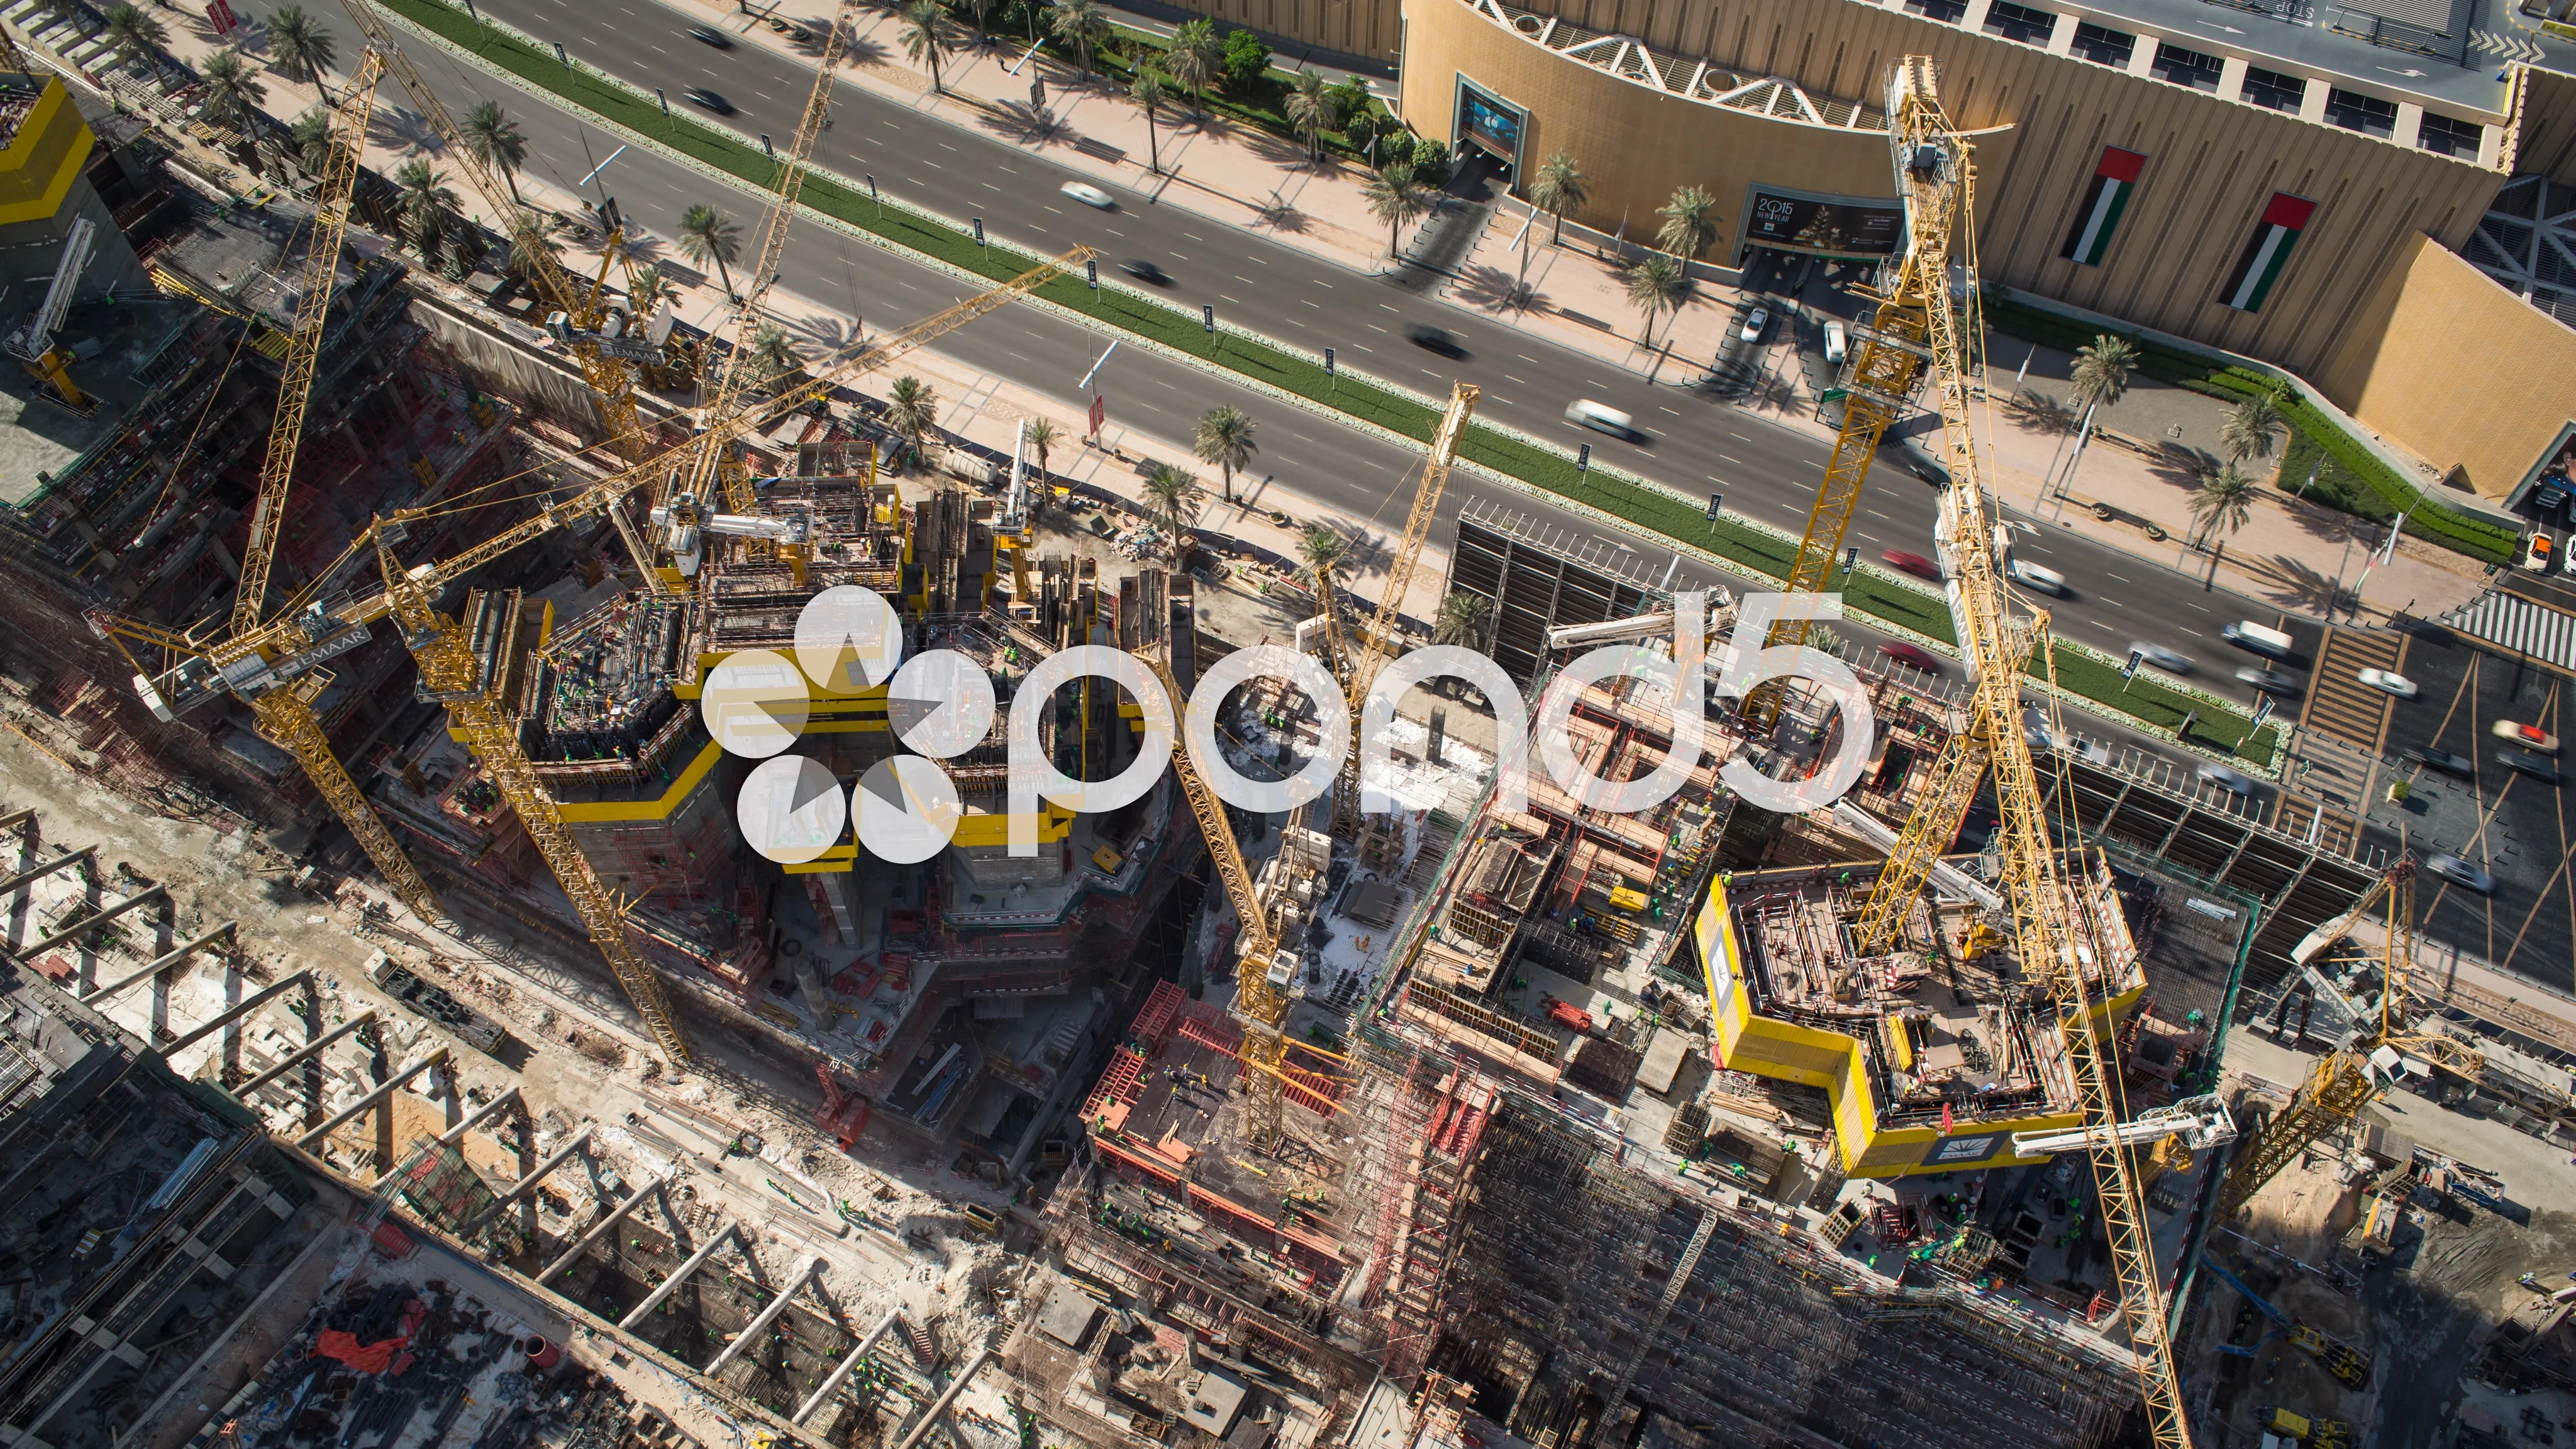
pixel 2267 251
pixel 2115 179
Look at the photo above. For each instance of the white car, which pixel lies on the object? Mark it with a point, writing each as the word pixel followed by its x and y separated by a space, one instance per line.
pixel 2235 781
pixel 1754 324
pixel 1601 418
pixel 1837 342
pixel 2032 576
pixel 2396 684
pixel 1089 195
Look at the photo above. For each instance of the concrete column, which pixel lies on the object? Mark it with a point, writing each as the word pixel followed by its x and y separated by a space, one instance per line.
pixel 313 1139
pixel 946 1397
pixel 2061 36
pixel 456 1134
pixel 254 1003
pixel 90 923
pixel 223 932
pixel 305 1053
pixel 680 1275
pixel 841 1371
pixel 529 1183
pixel 38 872
pixel 769 1315
pixel 836 899
pixel 602 1228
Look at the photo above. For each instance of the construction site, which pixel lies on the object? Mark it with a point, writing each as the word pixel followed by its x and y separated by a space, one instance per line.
pixel 418 1037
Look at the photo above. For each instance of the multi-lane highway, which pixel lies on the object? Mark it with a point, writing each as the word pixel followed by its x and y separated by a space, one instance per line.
pixel 1695 444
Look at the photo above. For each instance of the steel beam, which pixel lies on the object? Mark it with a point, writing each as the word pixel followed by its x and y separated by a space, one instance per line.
pixel 769 1315
pixel 730 1231
pixel 16 818
pixel 36 872
pixel 841 1371
pixel 602 1228
pixel 946 1397
pixel 313 1139
pixel 528 1184
pixel 304 1053
pixel 220 933
pixel 105 915
pixel 249 1005
pixel 456 1134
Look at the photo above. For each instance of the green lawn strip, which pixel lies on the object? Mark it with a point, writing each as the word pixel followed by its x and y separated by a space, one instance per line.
pixel 2353 478
pixel 1646 507
pixel 2217 729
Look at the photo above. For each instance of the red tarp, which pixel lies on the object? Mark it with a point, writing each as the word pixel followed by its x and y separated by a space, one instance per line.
pixel 385 1356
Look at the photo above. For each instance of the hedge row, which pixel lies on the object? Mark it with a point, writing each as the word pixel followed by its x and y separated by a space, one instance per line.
pixel 2351 478
pixel 1650 509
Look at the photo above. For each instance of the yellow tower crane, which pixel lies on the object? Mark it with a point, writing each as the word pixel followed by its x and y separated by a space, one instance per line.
pixel 2356 1073
pixel 194 678
pixel 612 382
pixel 712 467
pixel 282 708
pixel 2051 938
pixel 1377 641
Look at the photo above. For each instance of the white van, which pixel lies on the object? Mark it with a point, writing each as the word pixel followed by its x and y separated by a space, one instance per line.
pixel 1836 342
pixel 2250 635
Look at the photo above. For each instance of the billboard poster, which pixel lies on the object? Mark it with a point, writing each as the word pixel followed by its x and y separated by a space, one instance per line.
pixel 1492 124
pixel 1828 226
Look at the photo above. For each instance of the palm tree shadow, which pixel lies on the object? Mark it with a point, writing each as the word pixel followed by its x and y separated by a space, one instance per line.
pixel 2183 466
pixel 1279 216
pixel 1491 289
pixel 2295 584
pixel 1022 122
pixel 1277 150
pixel 252 38
pixel 645 250
pixel 2040 412
pixel 829 335
pixel 397 129
pixel 863 51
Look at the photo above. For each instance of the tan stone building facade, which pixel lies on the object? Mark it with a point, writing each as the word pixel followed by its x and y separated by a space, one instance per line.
pixel 2259 177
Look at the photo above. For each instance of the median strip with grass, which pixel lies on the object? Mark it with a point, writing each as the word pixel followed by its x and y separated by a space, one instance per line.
pixel 1632 501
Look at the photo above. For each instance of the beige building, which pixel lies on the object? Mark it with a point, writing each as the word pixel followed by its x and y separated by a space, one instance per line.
pixel 2254 175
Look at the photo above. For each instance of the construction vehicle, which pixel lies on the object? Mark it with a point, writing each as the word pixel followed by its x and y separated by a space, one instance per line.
pixel 33 342
pixel 2383 1051
pixel 1377 640
pixel 1937 177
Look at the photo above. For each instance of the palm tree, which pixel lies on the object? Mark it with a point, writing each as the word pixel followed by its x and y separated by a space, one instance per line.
pixel 2224 499
pixel 1690 222
pixel 233 92
pixel 775 354
pixel 300 48
pixel 1149 92
pixel 1322 549
pixel 1225 439
pixel 1311 109
pixel 533 248
pixel 1657 281
pixel 1080 24
pixel 64 12
pixel 912 410
pixel 1561 187
pixel 708 235
pixel 2253 428
pixel 1396 196
pixel 647 289
pixel 929 31
pixel 134 33
pixel 1041 436
pixel 429 209
pixel 1193 57
pixel 496 141
pixel 309 139
pixel 2100 376
pixel 1461 620
pixel 1173 492
pixel 977 10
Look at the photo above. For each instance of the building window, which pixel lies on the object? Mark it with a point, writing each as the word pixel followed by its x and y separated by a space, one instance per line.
pixel 2186 67
pixel 2452 138
pixel 2105 47
pixel 2020 23
pixel 2356 112
pixel 1945 11
pixel 2272 90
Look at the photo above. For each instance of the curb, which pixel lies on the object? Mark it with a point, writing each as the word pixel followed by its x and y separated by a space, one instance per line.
pixel 1311 406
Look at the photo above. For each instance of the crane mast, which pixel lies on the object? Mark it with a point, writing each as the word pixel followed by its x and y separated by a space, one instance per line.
pixel 2356 1073
pixel 1376 643
pixel 707 467
pixel 2053 941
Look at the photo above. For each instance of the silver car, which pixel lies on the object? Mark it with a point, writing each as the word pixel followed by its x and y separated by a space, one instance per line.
pixel 2214 773
pixel 2459 872
pixel 2171 661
